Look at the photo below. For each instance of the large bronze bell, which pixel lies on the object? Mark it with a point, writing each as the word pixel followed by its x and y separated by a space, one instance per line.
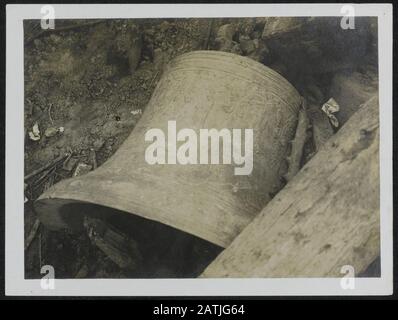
pixel 198 90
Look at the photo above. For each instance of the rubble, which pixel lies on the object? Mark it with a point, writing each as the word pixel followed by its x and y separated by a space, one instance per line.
pixel 330 107
pixel 260 52
pixel 276 26
pixel 120 249
pixel 52 131
pixel 246 44
pixel 224 39
pixel 297 144
pixel 322 130
pixel 226 32
pixel 98 144
pixel 35 133
pixel 136 112
pixel 83 272
pixel 70 164
pixel 81 169
pixel 351 89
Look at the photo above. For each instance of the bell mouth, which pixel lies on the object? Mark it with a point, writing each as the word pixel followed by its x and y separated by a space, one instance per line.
pixel 142 248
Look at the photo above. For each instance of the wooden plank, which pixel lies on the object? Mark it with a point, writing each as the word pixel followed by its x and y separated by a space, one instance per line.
pixel 326 217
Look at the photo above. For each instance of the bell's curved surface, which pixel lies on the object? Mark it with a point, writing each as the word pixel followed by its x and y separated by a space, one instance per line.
pixel 198 90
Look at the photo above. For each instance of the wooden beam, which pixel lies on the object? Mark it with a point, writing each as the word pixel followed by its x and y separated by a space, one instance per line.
pixel 326 217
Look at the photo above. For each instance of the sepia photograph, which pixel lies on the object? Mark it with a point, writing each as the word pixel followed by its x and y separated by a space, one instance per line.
pixel 203 148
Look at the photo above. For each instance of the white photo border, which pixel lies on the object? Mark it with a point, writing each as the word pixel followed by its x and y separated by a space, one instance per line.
pixel 15 282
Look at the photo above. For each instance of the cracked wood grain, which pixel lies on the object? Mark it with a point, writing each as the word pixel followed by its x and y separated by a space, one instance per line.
pixel 325 218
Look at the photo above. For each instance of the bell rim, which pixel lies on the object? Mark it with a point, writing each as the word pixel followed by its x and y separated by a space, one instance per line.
pixel 50 204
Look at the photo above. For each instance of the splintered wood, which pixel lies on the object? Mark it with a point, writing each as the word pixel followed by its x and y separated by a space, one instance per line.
pixel 120 249
pixel 297 144
pixel 327 217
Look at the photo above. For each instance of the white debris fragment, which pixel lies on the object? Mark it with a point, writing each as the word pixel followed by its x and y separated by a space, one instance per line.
pixel 81 169
pixel 330 107
pixel 136 112
pixel 26 199
pixel 52 131
pixel 35 133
